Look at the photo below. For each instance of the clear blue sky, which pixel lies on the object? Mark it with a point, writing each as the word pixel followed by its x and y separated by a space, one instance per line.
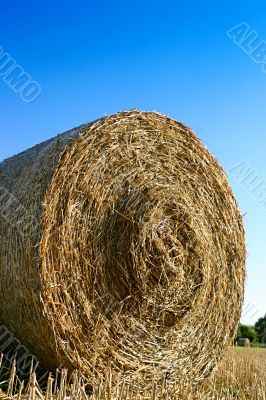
pixel 95 58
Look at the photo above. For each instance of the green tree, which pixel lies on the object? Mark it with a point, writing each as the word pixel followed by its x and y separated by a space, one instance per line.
pixel 246 331
pixel 260 327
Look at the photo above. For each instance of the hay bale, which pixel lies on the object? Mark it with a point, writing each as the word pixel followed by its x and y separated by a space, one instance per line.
pixel 122 247
pixel 243 342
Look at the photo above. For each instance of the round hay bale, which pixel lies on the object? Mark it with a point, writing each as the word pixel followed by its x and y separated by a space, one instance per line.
pixel 121 247
pixel 244 342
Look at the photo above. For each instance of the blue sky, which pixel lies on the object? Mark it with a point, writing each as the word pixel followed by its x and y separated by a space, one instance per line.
pixel 96 58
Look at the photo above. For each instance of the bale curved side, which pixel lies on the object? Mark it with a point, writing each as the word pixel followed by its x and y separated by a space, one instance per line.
pixel 139 257
pixel 24 179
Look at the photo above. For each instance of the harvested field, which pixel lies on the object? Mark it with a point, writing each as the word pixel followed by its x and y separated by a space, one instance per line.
pixel 123 250
pixel 241 376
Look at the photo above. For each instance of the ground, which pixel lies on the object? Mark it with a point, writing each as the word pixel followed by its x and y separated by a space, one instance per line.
pixel 241 376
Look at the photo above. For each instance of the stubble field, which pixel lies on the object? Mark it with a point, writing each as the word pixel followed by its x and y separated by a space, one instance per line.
pixel 242 375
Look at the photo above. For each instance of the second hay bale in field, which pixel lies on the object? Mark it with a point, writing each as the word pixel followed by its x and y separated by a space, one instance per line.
pixel 243 342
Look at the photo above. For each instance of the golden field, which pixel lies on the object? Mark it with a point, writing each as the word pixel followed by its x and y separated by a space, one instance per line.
pixel 242 375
